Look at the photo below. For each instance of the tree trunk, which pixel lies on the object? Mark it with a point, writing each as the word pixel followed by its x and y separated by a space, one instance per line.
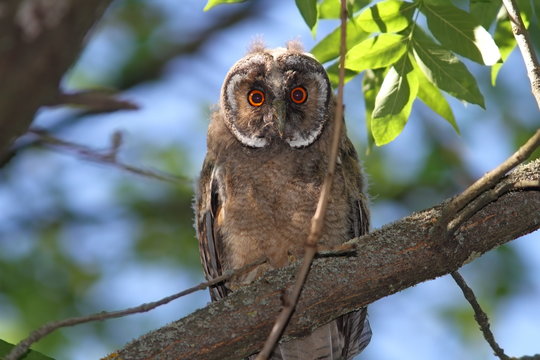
pixel 39 40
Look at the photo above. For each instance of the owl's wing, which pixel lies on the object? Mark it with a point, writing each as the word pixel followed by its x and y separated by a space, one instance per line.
pixel 354 181
pixel 208 207
pixel 354 327
pixel 355 331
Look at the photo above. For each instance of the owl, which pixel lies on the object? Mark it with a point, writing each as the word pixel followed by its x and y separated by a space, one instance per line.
pixel 268 143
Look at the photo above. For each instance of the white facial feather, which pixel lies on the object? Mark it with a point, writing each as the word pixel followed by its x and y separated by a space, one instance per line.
pixel 252 141
pixel 298 140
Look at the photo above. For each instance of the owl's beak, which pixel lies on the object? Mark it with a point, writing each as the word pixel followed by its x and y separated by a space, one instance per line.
pixel 279 115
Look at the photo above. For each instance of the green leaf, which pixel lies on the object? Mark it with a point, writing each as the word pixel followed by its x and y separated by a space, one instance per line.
pixel 328 48
pixel 395 90
pixel 329 9
pixel 505 39
pixel 211 3
pixel 445 71
pixel 371 84
pixel 387 16
pixel 6 347
pixel 433 98
pixel 460 32
pixel 485 11
pixel 394 101
pixel 376 52
pixel 308 9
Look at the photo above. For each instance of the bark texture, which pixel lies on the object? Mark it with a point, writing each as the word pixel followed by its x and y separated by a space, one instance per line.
pixel 386 261
pixel 39 40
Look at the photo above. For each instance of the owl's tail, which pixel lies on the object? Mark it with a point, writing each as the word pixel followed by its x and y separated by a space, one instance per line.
pixel 341 339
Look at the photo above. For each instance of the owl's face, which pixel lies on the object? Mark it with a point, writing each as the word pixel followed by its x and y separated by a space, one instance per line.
pixel 276 95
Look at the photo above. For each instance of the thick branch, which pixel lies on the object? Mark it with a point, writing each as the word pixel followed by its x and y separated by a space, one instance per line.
pixel 40 41
pixel 387 261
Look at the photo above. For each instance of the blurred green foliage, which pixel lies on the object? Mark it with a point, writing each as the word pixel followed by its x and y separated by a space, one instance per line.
pixel 6 347
pixel 41 280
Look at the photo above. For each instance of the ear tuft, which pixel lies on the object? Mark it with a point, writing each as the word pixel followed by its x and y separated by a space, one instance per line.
pixel 257 45
pixel 295 46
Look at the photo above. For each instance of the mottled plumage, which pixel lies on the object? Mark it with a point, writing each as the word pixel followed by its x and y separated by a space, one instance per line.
pixel 268 145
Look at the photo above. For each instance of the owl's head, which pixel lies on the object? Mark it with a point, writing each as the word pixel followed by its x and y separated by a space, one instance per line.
pixel 280 94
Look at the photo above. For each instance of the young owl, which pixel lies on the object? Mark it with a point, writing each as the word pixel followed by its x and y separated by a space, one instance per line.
pixel 267 155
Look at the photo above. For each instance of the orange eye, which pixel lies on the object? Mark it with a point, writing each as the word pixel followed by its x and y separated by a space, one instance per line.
pixel 256 98
pixel 299 95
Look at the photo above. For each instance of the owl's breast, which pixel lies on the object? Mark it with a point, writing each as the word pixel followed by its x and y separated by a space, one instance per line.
pixel 269 209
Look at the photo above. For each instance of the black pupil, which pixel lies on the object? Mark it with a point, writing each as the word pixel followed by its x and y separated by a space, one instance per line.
pixel 256 98
pixel 298 95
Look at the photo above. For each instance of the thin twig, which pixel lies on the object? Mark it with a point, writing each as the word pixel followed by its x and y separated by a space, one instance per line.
pixel 525 46
pixel 317 221
pixel 108 157
pixel 63 122
pixel 487 181
pixel 22 347
pixel 479 315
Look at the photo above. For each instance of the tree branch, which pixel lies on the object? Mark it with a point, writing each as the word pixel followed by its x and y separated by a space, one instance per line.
pixel 479 315
pixel 54 32
pixel 98 101
pixel 387 261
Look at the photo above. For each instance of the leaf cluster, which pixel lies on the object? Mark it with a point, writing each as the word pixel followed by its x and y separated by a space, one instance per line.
pixel 408 50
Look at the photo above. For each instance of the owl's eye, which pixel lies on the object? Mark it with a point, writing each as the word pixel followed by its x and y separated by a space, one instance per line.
pixel 256 98
pixel 299 95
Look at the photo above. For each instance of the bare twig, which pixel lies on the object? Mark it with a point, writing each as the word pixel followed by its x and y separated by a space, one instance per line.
pixel 525 46
pixel 317 221
pixel 117 140
pixel 108 157
pixel 66 121
pixel 479 315
pixel 22 347
pixel 485 182
pixel 94 100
